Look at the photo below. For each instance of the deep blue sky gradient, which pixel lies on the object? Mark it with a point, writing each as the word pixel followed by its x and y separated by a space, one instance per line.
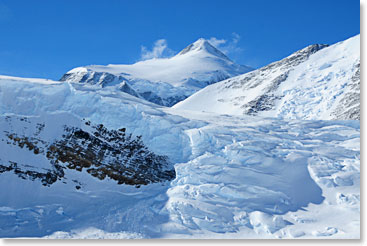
pixel 46 38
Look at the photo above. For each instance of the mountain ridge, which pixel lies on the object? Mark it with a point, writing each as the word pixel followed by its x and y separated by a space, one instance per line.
pixel 164 81
pixel 277 90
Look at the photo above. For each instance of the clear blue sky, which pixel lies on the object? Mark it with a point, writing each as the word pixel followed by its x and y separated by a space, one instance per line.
pixel 46 38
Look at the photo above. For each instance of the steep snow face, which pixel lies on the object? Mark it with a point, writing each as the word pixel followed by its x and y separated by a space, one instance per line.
pixel 235 176
pixel 317 82
pixel 114 109
pixel 164 81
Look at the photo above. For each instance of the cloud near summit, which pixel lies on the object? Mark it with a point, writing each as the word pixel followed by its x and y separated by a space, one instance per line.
pixel 159 50
pixel 160 47
pixel 227 46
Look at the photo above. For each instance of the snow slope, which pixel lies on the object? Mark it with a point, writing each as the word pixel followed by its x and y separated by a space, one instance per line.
pixel 236 176
pixel 164 81
pixel 317 82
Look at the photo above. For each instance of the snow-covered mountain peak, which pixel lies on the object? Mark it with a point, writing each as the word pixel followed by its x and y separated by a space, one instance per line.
pixel 203 45
pixel 164 81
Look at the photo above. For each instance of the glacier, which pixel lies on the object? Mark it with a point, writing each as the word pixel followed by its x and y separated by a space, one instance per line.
pixel 276 173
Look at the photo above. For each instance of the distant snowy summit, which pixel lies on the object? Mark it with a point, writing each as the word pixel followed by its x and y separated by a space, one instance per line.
pixel 164 81
pixel 317 82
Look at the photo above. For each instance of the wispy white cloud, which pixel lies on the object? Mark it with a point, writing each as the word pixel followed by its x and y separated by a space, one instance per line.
pixel 159 50
pixel 227 46
pixel 217 42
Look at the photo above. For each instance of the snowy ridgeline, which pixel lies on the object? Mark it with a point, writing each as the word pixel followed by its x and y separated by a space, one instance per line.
pixel 317 82
pixel 235 176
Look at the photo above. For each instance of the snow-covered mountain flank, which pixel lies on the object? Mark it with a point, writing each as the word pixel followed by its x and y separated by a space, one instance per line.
pixel 90 157
pixel 317 82
pixel 164 81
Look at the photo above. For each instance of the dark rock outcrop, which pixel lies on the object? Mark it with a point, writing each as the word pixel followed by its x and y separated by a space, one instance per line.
pixel 102 153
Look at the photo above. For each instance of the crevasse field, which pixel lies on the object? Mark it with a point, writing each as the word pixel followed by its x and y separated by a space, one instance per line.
pixel 277 174
pixel 236 176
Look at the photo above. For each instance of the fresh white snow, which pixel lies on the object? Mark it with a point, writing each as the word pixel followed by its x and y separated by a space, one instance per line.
pixel 199 62
pixel 236 176
pixel 164 81
pixel 320 87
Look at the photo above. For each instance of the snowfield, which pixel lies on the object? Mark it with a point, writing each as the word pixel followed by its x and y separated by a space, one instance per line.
pixel 235 176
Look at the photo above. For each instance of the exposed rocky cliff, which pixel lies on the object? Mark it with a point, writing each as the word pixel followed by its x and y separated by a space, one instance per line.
pixel 98 151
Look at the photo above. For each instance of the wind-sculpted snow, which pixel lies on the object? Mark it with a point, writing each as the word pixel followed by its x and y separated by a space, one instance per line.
pixel 248 176
pixel 317 82
pixel 163 81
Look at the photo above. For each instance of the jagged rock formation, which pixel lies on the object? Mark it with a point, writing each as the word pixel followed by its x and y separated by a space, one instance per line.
pixel 102 153
pixel 350 102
